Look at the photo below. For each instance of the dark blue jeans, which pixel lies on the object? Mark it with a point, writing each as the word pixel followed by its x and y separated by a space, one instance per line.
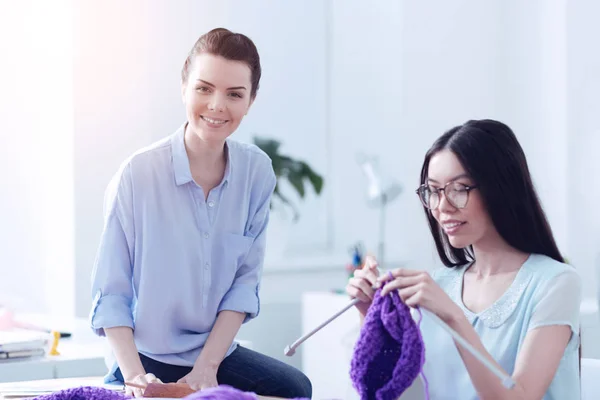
pixel 245 370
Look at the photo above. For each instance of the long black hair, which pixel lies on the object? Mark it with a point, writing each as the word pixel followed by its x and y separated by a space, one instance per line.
pixel 491 154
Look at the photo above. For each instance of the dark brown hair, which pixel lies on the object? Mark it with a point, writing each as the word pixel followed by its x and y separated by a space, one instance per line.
pixel 231 46
pixel 490 153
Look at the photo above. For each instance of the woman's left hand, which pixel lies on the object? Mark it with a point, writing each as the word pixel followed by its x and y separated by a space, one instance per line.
pixel 200 378
pixel 418 289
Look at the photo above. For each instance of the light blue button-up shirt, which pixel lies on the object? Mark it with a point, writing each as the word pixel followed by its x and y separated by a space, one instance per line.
pixel 169 261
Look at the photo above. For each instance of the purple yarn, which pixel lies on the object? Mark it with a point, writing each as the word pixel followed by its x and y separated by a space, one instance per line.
pixel 84 393
pixel 222 392
pixel 390 353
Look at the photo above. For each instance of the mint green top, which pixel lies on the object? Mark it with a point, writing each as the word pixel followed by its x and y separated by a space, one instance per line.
pixel 544 292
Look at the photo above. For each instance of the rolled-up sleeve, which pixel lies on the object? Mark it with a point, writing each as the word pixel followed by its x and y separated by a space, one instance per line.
pixel 243 296
pixel 112 289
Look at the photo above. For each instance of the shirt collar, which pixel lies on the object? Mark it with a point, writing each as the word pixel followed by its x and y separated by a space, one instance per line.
pixel 181 162
pixel 496 314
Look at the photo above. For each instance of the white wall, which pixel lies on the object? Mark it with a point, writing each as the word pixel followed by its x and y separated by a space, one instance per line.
pixel 583 86
pixel 36 150
pixel 534 83
pixel 402 74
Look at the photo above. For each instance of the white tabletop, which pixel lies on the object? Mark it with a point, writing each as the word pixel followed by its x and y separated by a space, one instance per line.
pixel 82 354
pixel 21 390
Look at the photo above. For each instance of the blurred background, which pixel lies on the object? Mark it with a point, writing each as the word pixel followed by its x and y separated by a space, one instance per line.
pixel 357 90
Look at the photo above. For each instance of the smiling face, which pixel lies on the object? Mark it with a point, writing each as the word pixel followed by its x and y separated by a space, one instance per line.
pixel 217 96
pixel 464 226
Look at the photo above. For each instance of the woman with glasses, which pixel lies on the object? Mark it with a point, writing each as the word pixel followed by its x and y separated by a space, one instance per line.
pixel 505 287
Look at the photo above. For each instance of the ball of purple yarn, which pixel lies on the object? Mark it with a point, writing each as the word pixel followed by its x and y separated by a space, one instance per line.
pixel 84 393
pixel 389 353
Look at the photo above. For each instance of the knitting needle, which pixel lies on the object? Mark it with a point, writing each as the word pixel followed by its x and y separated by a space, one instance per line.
pixel 291 350
pixel 506 379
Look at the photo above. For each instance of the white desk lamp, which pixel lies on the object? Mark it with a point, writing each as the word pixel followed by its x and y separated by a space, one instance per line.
pixel 381 191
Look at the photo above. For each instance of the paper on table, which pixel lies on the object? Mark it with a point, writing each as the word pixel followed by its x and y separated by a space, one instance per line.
pixel 20 339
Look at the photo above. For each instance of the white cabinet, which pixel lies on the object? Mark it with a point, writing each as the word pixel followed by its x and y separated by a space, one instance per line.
pixel 590 329
pixel 326 355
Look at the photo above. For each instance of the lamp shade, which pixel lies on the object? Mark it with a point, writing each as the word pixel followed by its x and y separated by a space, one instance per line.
pixel 381 188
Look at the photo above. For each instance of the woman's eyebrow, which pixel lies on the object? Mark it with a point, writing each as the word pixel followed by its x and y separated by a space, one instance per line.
pixel 457 177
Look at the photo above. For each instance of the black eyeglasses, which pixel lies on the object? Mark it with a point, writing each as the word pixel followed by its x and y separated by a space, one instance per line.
pixel 456 194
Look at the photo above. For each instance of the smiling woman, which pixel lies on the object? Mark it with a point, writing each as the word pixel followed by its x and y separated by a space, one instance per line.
pixel 184 239
pixel 220 79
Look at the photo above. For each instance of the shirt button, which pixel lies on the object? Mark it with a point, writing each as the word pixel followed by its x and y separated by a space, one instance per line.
pixel 206 266
pixel 211 203
pixel 206 235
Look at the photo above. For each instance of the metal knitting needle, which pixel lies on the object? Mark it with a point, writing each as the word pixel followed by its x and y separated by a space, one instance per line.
pixel 506 379
pixel 291 350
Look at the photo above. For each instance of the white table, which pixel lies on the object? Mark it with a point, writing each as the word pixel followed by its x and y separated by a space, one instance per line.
pixel 30 389
pixel 27 389
pixel 81 355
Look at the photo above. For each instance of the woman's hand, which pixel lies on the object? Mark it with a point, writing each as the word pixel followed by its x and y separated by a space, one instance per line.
pixel 142 380
pixel 418 289
pixel 361 285
pixel 201 377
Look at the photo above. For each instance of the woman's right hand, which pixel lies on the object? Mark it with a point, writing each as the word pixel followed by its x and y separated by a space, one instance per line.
pixel 361 285
pixel 142 380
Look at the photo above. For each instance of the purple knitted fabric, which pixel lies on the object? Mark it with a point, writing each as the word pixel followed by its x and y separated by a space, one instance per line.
pixel 222 392
pixel 84 393
pixel 390 353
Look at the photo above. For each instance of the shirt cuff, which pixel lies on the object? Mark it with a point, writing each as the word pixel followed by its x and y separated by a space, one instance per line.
pixel 242 298
pixel 110 311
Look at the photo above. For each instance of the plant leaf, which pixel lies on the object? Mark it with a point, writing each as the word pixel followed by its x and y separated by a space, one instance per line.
pixel 315 179
pixel 269 146
pixel 285 201
pixel 294 171
pixel 297 181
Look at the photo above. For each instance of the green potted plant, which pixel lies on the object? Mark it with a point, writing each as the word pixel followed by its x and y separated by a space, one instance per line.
pixel 296 172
